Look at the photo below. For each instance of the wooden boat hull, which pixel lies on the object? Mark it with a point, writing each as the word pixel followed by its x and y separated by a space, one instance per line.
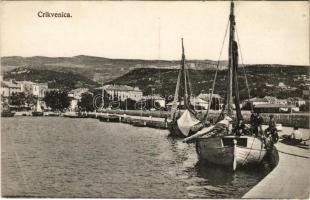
pixel 231 151
pixel 7 114
pixel 139 123
pixel 37 114
pixel 109 119
pixel 175 131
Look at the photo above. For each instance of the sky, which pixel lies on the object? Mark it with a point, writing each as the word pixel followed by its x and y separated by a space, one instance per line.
pixel 269 32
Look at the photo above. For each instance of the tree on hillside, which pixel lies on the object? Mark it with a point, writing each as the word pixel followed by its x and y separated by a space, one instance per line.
pixel 57 100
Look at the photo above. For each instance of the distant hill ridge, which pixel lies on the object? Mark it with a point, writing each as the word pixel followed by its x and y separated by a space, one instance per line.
pixel 98 68
pixel 101 69
pixel 61 80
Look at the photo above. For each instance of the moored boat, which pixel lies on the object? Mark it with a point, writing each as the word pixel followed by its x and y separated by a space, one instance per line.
pixel 7 114
pixel 6 111
pixel 186 123
pixel 222 144
pixel 38 110
pixel 109 118
pixel 71 114
pixel 139 123
pixel 231 151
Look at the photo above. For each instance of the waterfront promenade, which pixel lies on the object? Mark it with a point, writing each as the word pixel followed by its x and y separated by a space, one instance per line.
pixel 290 178
pixel 286 119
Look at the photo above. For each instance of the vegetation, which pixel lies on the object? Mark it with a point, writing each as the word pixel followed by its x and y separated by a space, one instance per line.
pixel 305 107
pixel 59 80
pixel 57 100
pixel 21 99
pixel 164 81
pixel 86 103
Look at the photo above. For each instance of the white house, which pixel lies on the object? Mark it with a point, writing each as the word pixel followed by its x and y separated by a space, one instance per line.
pixel 36 89
pixel 123 92
pixel 157 99
pixel 10 87
pixel 75 97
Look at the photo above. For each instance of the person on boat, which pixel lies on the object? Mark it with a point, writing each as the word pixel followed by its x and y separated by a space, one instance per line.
pixel 252 119
pixel 239 128
pixel 272 130
pixel 260 122
pixel 254 123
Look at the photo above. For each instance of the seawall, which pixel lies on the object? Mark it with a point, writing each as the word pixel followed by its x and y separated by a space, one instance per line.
pixel 302 120
pixel 290 178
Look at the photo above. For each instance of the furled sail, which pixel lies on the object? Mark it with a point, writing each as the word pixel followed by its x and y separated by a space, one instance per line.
pixel 181 127
pixel 38 107
pixel 175 100
pixel 186 122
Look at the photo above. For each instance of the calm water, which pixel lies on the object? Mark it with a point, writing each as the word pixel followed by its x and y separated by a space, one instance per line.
pixel 63 157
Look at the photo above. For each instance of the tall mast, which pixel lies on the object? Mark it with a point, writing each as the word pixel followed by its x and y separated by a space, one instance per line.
pixel 230 60
pixel 185 93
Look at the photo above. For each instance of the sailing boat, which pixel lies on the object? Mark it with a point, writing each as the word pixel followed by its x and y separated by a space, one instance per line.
pixel 38 110
pixel 219 144
pixel 5 110
pixel 187 123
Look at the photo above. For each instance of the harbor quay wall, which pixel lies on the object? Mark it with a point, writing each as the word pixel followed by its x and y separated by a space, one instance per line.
pixel 301 120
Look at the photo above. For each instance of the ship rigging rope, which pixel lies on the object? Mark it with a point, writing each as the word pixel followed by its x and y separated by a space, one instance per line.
pixel 215 76
pixel 244 72
pixel 189 84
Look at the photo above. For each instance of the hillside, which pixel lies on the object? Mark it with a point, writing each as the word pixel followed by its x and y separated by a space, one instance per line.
pixel 97 68
pixel 89 71
pixel 164 80
pixel 61 80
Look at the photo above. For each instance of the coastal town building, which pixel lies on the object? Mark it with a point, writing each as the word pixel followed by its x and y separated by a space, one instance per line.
pixel 122 92
pixel 296 101
pixel 255 101
pixel 28 87
pixel 75 97
pixel 306 94
pixel 275 108
pixel 271 100
pixel 37 89
pixel 10 87
pixel 158 100
pixel 196 102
